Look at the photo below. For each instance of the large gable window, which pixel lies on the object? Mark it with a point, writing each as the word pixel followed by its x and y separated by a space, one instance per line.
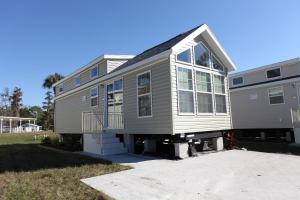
pixel 204 92
pixel 185 56
pixel 185 90
pixel 144 95
pixel 273 73
pixel 220 96
pixel 276 95
pixel 94 96
pixel 201 55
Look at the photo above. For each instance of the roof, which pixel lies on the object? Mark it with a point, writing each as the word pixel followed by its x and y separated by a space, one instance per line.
pixel 156 49
pixel 277 64
pixel 96 60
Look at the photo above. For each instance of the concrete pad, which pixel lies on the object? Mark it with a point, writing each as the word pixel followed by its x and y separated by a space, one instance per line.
pixel 225 175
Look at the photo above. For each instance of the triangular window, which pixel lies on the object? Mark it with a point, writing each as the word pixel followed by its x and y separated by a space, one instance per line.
pixel 216 64
pixel 201 55
pixel 185 56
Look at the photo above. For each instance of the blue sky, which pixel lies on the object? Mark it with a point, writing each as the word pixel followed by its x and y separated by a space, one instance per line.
pixel 41 37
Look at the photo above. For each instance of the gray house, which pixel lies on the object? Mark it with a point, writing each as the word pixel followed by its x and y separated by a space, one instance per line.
pixel 265 100
pixel 169 97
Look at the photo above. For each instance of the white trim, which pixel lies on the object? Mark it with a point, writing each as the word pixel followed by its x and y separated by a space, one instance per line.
pixel 74 80
pixel 274 104
pixel 146 94
pixel 263 68
pixel 272 78
pixel 93 62
pixel 185 90
pixel 130 69
pixel 239 84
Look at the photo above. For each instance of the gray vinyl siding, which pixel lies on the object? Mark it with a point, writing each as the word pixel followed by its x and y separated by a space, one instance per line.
pixel 196 123
pixel 256 114
pixel 160 122
pixel 68 110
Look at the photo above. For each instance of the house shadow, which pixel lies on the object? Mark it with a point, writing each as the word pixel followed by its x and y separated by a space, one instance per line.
pixel 30 157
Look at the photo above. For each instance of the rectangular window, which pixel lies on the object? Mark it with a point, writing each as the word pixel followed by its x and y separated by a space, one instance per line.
pixel 273 73
pixel 94 72
pixel 276 95
pixel 220 96
pixel 144 95
pixel 94 96
pixel 185 56
pixel 77 81
pixel 185 90
pixel 204 92
pixel 61 88
pixel 237 81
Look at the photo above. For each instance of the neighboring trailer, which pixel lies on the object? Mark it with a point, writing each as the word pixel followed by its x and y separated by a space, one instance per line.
pixel 263 99
pixel 167 98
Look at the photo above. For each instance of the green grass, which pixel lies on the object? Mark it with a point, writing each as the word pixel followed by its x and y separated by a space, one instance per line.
pixel 30 172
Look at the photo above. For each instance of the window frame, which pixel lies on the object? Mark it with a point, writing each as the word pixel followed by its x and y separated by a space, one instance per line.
pixel 212 57
pixel 238 83
pixel 74 81
pixel 62 85
pixel 191 56
pixel 225 94
pixel 266 72
pixel 97 89
pixel 93 77
pixel 211 93
pixel 281 87
pixel 137 94
pixel 178 90
pixel 209 56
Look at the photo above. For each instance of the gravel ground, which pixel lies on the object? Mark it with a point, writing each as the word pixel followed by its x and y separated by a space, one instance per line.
pixel 233 175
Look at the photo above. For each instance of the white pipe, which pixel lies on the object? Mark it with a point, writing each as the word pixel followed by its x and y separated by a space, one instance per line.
pixel 1 129
pixel 10 125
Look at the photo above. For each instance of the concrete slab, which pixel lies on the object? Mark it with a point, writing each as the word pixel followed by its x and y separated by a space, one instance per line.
pixel 230 175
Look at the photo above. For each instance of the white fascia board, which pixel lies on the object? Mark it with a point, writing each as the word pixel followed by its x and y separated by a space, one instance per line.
pixel 215 43
pixel 96 60
pixel 266 84
pixel 147 62
pixel 265 67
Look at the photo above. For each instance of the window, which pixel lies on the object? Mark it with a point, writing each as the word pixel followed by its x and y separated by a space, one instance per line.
pixel 204 92
pixel 185 90
pixel 273 73
pixel 201 55
pixel 276 95
pixel 237 81
pixel 61 88
pixel 94 96
pixel 144 96
pixel 77 81
pixel 216 64
pixel 220 96
pixel 185 56
pixel 94 72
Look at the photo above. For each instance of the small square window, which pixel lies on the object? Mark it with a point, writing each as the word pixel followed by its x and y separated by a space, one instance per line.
pixel 77 81
pixel 237 81
pixel 273 73
pixel 61 88
pixel 94 72
pixel 276 95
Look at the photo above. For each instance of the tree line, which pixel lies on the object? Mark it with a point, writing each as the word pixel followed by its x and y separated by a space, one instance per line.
pixel 11 103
